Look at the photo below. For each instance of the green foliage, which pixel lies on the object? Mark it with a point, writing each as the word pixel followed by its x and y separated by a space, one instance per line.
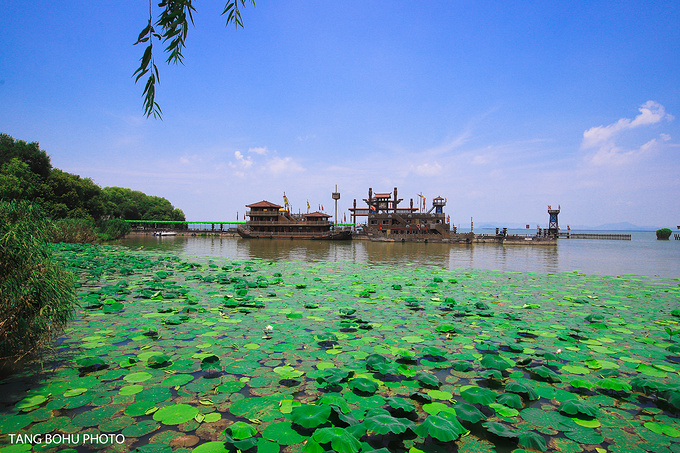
pixel 38 161
pixel 663 233
pixel 27 174
pixel 36 295
pixel 74 231
pixel 109 230
pixel 129 204
pixel 173 27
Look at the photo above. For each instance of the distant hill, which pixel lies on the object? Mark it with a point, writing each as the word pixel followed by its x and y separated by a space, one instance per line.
pixel 620 226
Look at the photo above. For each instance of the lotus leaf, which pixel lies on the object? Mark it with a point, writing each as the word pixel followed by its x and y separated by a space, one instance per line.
pixel 469 413
pixel 461 365
pixel 175 414
pixel 240 430
pixel 282 433
pixel 335 376
pixel 479 395
pixel 595 317
pixel 585 436
pixel 375 359
pixel 582 383
pixel 673 398
pixel 495 362
pixel 385 368
pixel 421 397
pixel 363 385
pixel 447 328
pixel 383 424
pixel 577 407
pixel 30 402
pixel 242 445
pixel 335 401
pixel 158 361
pixel 499 429
pixel 532 441
pixel 510 399
pixel 440 428
pixel 341 441
pixel 547 419
pixel 210 362
pixel 140 376
pixel 401 404
pixel 660 428
pixel 310 416
pixel 616 385
pixel 504 411
pixel 547 374
pixel 428 380
pixel 492 374
pixel 288 372
pixel 91 364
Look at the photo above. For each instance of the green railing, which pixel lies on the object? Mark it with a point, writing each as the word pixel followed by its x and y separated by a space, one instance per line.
pixel 193 222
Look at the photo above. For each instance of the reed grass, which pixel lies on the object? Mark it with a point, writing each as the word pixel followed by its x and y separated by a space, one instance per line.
pixel 36 294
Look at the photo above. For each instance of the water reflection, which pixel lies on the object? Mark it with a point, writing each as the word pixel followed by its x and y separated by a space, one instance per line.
pixel 643 255
pixel 488 256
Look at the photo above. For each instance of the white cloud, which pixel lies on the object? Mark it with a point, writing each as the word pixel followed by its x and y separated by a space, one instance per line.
pixel 241 161
pixel 604 139
pixel 428 169
pixel 261 150
pixel 650 113
pixel 278 165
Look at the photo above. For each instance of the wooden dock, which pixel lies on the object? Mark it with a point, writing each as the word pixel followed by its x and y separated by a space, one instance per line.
pixel 607 236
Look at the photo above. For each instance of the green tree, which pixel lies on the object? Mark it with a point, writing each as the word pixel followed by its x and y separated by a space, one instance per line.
pixel 171 28
pixel 30 153
pixel 129 204
pixel 74 197
pixel 663 233
pixel 17 181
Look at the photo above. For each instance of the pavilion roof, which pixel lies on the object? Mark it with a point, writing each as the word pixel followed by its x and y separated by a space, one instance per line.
pixel 264 204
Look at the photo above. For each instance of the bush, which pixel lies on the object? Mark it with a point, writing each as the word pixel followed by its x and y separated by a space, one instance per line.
pixel 74 231
pixel 112 229
pixel 36 295
pixel 663 233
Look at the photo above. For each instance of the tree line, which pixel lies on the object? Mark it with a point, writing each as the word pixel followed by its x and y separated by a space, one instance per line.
pixel 26 173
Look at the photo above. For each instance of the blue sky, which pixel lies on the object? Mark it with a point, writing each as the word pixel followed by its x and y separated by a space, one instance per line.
pixel 501 107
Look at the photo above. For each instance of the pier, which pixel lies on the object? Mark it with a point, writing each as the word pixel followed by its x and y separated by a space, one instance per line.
pixel 607 236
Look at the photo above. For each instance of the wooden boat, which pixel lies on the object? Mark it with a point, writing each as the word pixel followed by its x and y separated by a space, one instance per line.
pixel 269 220
pixel 386 221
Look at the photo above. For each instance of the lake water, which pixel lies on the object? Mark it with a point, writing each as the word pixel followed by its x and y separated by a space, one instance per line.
pixel 642 255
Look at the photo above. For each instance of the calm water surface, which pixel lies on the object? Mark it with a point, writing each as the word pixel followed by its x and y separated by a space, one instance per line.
pixel 642 255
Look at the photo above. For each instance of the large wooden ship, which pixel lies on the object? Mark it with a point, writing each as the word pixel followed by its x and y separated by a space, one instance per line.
pixel 269 220
pixel 386 221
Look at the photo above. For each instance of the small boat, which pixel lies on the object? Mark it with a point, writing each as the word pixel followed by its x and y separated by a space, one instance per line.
pixel 269 220
pixel 165 233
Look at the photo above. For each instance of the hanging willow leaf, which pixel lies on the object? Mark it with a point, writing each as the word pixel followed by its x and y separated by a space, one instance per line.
pixel 173 25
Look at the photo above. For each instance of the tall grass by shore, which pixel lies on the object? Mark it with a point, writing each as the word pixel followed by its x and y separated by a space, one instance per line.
pixel 36 294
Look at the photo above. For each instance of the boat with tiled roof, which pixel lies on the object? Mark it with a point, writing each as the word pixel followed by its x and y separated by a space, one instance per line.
pixel 270 220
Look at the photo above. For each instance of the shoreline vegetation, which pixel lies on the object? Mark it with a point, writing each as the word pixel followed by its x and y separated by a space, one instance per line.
pixel 81 210
pixel 217 355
